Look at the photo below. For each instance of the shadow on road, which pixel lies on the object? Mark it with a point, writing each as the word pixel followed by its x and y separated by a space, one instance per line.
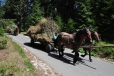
pixel 80 60
pixel 36 46
pixel 56 56
pixel 67 58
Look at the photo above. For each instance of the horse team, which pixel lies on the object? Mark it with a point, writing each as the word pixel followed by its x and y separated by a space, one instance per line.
pixel 74 41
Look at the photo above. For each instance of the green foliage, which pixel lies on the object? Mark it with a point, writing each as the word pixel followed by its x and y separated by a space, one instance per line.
pixel 4 70
pixel 92 53
pixel 35 15
pixel 104 18
pixel 106 51
pixel 2 31
pixel 90 13
pixel 81 50
pixel 85 14
pixel 7 25
pixel 3 42
pixel 103 52
pixel 70 25
pixel 6 22
pixel 2 11
pixel 59 22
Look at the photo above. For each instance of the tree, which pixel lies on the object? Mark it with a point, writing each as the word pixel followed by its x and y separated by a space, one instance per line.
pixel 9 9
pixel 2 11
pixel 84 14
pixel 35 13
pixel 70 25
pixel 78 13
pixel 103 12
pixel 16 10
pixel 59 22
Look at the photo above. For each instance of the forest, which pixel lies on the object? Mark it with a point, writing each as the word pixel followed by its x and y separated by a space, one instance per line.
pixel 70 15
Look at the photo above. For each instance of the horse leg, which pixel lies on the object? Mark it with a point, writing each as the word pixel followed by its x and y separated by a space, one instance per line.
pixel 76 56
pixel 90 55
pixel 60 51
pixel 85 50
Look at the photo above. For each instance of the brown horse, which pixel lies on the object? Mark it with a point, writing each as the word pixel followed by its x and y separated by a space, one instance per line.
pixel 95 37
pixel 73 41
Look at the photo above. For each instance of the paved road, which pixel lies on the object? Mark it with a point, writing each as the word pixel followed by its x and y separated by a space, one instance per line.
pixel 63 65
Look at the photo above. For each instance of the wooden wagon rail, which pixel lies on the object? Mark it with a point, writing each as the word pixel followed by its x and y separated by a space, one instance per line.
pixel 90 49
pixel 94 46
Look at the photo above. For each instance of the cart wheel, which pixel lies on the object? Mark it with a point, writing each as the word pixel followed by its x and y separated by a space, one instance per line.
pixel 48 48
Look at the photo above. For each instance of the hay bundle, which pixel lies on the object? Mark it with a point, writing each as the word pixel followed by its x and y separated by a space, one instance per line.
pixel 33 30
pixel 44 30
pixel 10 29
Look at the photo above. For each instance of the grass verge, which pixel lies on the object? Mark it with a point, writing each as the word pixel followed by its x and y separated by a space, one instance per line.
pixel 13 61
pixel 22 54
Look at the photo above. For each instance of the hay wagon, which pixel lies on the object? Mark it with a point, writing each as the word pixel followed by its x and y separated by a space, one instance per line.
pixel 43 32
pixel 12 29
pixel 44 40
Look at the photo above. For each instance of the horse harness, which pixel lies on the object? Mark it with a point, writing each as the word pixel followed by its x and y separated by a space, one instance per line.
pixel 69 39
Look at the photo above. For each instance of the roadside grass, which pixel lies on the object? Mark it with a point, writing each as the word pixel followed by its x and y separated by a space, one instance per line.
pixel 26 60
pixel 13 60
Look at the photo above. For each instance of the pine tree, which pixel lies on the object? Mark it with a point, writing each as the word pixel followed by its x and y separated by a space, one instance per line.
pixel 35 13
pixel 59 23
pixel 15 9
pixel 84 14
pixel 70 25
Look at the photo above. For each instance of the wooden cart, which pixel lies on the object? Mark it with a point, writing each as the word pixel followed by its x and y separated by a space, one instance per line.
pixel 46 41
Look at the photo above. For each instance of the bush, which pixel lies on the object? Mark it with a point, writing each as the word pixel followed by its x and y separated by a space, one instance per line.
pixel 106 51
pixel 3 43
pixel 2 31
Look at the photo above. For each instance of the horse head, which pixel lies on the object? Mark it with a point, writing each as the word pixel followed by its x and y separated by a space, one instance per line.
pixel 82 34
pixel 87 34
pixel 95 36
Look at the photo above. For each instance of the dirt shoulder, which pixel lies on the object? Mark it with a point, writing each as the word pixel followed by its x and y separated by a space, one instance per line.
pixel 41 68
pixel 10 58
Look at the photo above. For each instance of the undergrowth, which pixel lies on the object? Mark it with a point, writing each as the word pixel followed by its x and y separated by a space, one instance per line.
pixel 103 52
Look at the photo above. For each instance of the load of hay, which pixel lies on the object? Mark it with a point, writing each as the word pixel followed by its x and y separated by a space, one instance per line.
pixel 9 26
pixel 11 29
pixel 43 31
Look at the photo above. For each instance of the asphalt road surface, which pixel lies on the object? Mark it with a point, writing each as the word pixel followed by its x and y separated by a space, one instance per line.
pixel 64 65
